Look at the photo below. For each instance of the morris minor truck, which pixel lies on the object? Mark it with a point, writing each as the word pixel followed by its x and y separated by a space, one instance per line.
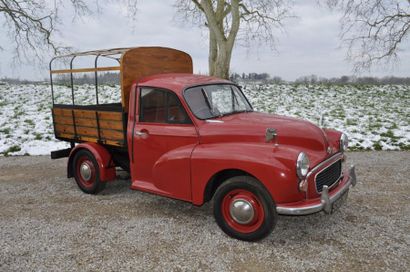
pixel 197 138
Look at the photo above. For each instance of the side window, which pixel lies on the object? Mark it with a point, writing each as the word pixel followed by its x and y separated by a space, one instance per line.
pixel 152 106
pixel 176 113
pixel 160 106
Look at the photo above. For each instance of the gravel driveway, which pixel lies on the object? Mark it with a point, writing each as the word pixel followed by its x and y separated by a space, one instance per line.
pixel 47 223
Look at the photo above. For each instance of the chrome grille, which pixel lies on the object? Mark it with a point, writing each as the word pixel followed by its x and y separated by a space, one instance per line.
pixel 329 175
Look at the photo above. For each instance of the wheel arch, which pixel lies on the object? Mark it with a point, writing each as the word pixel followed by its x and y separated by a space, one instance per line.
pixel 220 177
pixel 102 156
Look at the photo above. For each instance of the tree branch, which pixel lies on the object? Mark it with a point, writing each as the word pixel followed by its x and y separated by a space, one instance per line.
pixel 372 30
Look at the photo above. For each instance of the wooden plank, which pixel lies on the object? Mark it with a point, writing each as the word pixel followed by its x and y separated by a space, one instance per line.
pixel 62 112
pixel 83 122
pixel 89 114
pixel 145 61
pixel 90 139
pixel 102 115
pixel 86 70
pixel 110 115
pixel 61 128
pixel 90 131
pixel 86 122
pixel 111 124
pixel 112 134
pixel 63 120
pixel 86 131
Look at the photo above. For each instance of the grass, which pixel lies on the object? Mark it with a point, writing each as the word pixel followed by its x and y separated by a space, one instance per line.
pixel 5 130
pixel 389 134
pixel 377 146
pixel 38 136
pixel 404 147
pixel 12 149
pixel 29 122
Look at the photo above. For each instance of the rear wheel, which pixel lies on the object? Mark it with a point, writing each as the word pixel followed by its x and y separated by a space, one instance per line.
pixel 86 172
pixel 243 209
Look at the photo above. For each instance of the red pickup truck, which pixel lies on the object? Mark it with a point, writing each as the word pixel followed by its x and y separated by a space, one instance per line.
pixel 197 138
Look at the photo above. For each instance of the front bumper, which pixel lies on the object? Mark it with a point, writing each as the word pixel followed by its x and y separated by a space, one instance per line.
pixel 325 203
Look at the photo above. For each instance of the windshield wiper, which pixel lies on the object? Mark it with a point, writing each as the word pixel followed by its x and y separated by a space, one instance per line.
pixel 206 98
pixel 208 103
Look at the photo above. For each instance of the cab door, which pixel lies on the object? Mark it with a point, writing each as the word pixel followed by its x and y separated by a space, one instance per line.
pixel 163 140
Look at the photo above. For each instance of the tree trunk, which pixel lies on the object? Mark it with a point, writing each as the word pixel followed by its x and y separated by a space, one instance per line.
pixel 220 45
pixel 223 61
pixel 213 53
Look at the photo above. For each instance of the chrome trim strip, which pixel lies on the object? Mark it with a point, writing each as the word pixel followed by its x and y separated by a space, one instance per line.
pixel 326 201
pixel 214 121
pixel 322 163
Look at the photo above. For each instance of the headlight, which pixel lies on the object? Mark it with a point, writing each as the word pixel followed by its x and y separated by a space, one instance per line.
pixel 344 142
pixel 302 165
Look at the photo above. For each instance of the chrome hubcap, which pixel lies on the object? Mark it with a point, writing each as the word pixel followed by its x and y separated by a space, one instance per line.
pixel 242 211
pixel 85 171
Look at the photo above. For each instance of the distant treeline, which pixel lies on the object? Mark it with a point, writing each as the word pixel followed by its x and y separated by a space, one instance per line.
pixel 113 78
pixel 103 78
pixel 79 79
pixel 314 79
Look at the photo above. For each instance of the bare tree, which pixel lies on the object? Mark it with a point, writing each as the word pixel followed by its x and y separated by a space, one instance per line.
pixel 227 20
pixel 373 30
pixel 32 23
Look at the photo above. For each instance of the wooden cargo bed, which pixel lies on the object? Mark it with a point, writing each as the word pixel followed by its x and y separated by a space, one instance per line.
pixel 107 123
pixel 104 124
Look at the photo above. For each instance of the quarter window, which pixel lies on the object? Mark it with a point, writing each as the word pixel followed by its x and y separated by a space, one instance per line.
pixel 160 106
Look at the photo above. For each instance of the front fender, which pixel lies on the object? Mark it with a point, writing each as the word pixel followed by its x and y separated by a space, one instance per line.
pixel 102 156
pixel 272 166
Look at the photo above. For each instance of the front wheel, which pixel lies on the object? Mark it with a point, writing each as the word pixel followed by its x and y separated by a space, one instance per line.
pixel 86 172
pixel 244 210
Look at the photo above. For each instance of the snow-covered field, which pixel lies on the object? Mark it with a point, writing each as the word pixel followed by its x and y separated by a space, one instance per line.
pixel 374 117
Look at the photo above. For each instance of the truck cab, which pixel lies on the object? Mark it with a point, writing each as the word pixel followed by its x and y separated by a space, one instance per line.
pixel 197 138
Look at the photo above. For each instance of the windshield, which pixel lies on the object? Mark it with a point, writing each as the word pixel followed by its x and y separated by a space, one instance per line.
pixel 216 100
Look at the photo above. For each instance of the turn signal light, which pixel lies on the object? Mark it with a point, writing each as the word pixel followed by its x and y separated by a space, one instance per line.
pixel 303 185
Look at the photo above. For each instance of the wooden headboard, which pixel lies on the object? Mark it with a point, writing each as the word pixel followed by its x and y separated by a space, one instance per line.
pixel 140 62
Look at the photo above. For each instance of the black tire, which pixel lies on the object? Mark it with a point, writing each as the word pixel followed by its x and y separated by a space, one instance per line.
pixel 93 185
pixel 263 219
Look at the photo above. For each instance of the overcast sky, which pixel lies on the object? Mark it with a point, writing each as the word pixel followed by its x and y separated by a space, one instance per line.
pixel 309 45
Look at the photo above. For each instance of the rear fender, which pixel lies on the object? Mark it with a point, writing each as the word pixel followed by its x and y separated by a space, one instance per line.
pixel 102 156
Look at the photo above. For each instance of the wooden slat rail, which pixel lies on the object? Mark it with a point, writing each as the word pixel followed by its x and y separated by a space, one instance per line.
pixel 86 70
pixel 90 125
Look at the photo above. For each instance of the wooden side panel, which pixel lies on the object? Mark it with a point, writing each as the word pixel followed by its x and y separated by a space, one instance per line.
pixel 111 126
pixel 145 61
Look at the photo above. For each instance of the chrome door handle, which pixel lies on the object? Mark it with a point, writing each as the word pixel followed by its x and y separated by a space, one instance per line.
pixel 140 133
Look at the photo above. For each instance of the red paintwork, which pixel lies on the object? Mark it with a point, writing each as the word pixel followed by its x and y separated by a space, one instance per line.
pixel 162 160
pixel 178 82
pixel 259 215
pixel 311 201
pixel 179 161
pixel 103 157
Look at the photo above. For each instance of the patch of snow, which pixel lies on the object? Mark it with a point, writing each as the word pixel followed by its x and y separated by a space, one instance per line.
pixel 374 117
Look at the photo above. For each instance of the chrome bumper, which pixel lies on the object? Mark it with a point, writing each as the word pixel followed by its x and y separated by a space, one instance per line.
pixel 326 200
